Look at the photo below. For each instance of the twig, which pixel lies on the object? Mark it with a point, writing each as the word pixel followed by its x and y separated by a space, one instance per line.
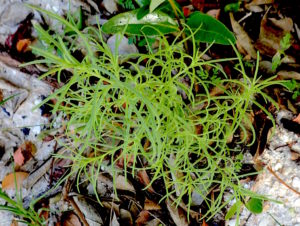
pixel 179 24
pixel 281 181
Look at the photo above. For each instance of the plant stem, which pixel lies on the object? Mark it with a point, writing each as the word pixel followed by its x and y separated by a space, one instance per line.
pixel 180 24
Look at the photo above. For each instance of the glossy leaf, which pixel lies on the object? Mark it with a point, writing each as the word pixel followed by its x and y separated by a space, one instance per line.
pixel 154 4
pixel 143 11
pixel 142 3
pixel 209 29
pixel 155 23
pixel 255 205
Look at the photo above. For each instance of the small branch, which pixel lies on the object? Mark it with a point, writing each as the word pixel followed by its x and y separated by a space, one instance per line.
pixel 179 24
pixel 281 181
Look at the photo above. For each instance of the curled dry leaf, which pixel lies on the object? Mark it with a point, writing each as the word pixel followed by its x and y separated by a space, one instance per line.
pixel 9 180
pixel 126 217
pixel 243 40
pixel 71 219
pixel 271 33
pixel 142 218
pixel 23 44
pixel 144 179
pixel 253 6
pixel 177 214
pixel 24 153
pixel 114 221
pixel 289 75
pixel 214 13
pixel 297 119
pixel 150 205
pixel 123 184
pixel 14 223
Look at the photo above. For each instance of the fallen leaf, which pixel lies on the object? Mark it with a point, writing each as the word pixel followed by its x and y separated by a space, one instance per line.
pixel 142 218
pixel 126 217
pixel 154 222
pixel 255 5
pixel 297 119
pixel 214 13
pixel 271 33
pixel 289 75
pixel 24 153
pixel 150 205
pixel 295 156
pixel 123 184
pixel 144 179
pixel 177 214
pixel 114 221
pixel 9 180
pixel 23 44
pixel 243 40
pixel 71 219
pixel 14 223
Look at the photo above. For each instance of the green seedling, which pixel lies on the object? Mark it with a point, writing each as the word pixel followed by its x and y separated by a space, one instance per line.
pixel 293 86
pixel 114 110
pixel 285 43
pixel 28 216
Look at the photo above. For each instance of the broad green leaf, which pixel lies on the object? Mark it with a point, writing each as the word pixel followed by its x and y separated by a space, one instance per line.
pixel 255 205
pixel 154 4
pixel 142 3
pixel 209 29
pixel 155 23
pixel 143 11
pixel 233 209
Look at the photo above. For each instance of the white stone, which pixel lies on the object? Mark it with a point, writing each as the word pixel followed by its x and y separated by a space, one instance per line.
pixel 296 183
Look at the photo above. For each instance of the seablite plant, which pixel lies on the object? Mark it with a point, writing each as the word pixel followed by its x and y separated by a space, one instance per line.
pixel 155 113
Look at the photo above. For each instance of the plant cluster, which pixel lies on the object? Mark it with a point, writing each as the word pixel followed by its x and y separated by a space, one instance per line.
pixel 158 113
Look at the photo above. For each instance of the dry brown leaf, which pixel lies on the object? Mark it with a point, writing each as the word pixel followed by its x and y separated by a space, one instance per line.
pixel 123 184
pixel 126 217
pixel 294 156
pixel 297 119
pixel 271 33
pixel 289 75
pixel 150 205
pixel 114 221
pixel 144 179
pixel 177 214
pixel 23 44
pixel 214 13
pixel 252 6
pixel 24 153
pixel 71 219
pixel 243 40
pixel 142 218
pixel 9 180
pixel 14 223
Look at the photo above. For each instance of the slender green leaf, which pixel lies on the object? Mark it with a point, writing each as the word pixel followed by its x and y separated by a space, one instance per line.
pixel 209 30
pixel 155 23
pixel 255 205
